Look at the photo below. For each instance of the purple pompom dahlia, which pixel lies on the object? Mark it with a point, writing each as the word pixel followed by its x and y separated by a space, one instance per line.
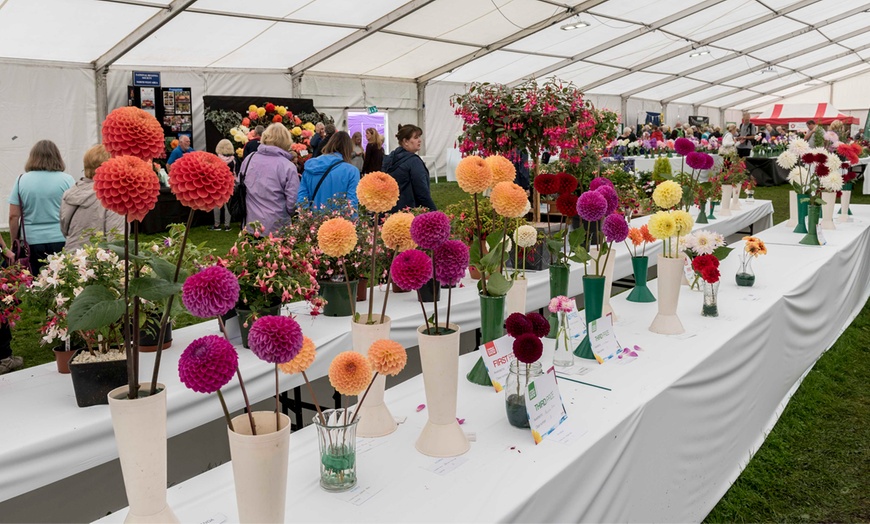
pixel 207 364
pixel 211 292
pixel 275 339
pixel 411 269
pixel 598 182
pixel 431 229
pixel 615 228
pixel 609 194
pixel 592 206
pixel 451 260
pixel 683 146
pixel 517 324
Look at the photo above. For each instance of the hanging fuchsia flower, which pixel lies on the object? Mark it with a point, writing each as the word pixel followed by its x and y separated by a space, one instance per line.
pixel 609 194
pixel 411 269
pixel 615 228
pixel 451 260
pixel 275 339
pixel 211 292
pixel 592 206
pixel 684 146
pixel 431 229
pixel 207 364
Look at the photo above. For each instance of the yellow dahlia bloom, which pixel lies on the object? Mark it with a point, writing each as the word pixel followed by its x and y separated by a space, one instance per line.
pixel 296 131
pixel 281 110
pixel 378 192
pixel 509 200
pixel 388 357
pixel 336 237
pixel 502 169
pixel 303 360
pixel 396 232
pixel 683 220
pixel 473 175
pixel 308 125
pixel 261 111
pixel 662 225
pixel 668 194
pixel 252 107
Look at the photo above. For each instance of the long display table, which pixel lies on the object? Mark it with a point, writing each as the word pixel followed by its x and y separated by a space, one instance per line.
pixel 41 412
pixel 660 438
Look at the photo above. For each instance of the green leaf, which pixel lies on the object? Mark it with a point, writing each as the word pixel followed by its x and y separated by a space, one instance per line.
pixel 474 252
pixel 721 252
pixel 581 256
pixel 497 285
pixel 576 238
pixel 162 268
pixel 153 289
pixel 119 250
pixel 95 307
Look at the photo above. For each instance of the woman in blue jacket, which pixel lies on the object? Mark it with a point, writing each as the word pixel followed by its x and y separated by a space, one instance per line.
pixel 332 172
pixel 408 169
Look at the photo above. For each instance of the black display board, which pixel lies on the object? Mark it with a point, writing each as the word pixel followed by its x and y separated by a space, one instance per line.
pixel 766 171
pixel 240 104
pixel 176 115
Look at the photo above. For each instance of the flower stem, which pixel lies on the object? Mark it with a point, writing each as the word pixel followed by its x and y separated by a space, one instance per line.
pixel 132 379
pixel 277 403
pixel 247 402
pixel 449 298
pixel 480 241
pixel 425 318
pixel 226 411
pixel 314 398
pixel 363 399
pixel 434 291
pixel 350 295
pixel 372 275
pixel 387 294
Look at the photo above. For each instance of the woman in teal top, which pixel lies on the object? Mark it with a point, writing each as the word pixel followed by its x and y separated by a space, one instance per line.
pixel 40 190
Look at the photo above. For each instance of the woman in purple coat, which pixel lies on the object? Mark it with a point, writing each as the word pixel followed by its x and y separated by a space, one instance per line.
pixel 271 180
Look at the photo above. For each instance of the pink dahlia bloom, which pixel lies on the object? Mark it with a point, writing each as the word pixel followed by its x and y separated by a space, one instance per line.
pixel 207 364
pixel 411 269
pixel 683 146
pixel 609 194
pixel 451 259
pixel 275 339
pixel 431 229
pixel 615 228
pixel 211 292
pixel 598 182
pixel 592 206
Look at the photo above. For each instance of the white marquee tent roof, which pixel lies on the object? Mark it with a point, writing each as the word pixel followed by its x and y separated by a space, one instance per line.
pixel 715 53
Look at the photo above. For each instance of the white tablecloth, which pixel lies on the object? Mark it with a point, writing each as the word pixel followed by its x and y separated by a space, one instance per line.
pixel 663 442
pixel 864 162
pixel 646 164
pixel 40 409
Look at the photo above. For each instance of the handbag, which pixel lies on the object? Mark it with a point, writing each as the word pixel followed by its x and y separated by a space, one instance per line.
pixel 238 202
pixel 20 247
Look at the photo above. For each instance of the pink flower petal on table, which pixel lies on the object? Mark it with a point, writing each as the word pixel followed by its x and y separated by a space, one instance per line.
pixel 460 420
pixel 421 407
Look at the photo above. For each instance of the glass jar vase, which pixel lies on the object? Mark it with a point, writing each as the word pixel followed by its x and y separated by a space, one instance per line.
pixel 745 276
pixel 516 389
pixel 711 296
pixel 563 357
pixel 337 439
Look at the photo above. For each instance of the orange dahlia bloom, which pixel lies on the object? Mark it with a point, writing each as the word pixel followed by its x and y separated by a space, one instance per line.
pixel 635 235
pixel 336 237
pixel 127 186
pixel 647 236
pixel 502 169
pixel 388 357
pixel 378 192
pixel 201 181
pixel 350 373
pixel 134 132
pixel 396 232
pixel 303 360
pixel 473 175
pixel 509 200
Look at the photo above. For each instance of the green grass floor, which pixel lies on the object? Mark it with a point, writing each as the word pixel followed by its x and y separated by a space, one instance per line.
pixel 814 465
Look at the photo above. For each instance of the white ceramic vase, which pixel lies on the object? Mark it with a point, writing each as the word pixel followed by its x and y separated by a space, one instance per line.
pixel 735 198
pixel 515 301
pixel 725 207
pixel 375 419
pixel 439 357
pixel 845 198
pixel 792 210
pixel 666 321
pixel 140 433
pixel 260 466
pixel 830 199
pixel 608 283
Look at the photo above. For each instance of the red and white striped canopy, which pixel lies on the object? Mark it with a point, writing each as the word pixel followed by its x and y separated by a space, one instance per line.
pixel 783 114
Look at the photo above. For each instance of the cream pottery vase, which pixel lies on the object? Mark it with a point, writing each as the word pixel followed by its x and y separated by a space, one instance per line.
pixel 608 283
pixel 439 356
pixel 725 208
pixel 260 466
pixel 830 199
pixel 375 419
pixel 845 198
pixel 792 210
pixel 735 198
pixel 140 433
pixel 515 301
pixel 666 321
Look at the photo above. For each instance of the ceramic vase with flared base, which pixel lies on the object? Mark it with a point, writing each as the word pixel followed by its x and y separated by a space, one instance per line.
pixel 711 216
pixel 725 207
pixel 830 199
pixel 640 292
pixel 442 436
pixel 812 236
pixel 140 433
pixel 375 419
pixel 803 203
pixel 845 199
pixel 593 301
pixel 735 199
pixel 260 465
pixel 666 321
pixel 792 210
pixel 491 328
pixel 515 300
pixel 606 308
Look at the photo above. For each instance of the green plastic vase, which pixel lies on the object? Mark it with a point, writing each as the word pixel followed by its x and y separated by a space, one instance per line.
pixel 245 323
pixel 711 216
pixel 640 292
pixel 491 328
pixel 593 301
pixel 812 236
pixel 803 206
pixel 337 299
pixel 702 216
pixel 559 275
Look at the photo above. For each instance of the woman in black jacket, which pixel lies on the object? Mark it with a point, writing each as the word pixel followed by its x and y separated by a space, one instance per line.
pixel 408 169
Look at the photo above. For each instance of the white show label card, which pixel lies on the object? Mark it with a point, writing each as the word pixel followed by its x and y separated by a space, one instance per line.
pixel 576 324
pixel 497 357
pixel 602 337
pixel 544 405
pixel 687 269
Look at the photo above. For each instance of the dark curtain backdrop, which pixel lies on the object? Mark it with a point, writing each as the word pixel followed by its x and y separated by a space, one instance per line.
pixel 241 104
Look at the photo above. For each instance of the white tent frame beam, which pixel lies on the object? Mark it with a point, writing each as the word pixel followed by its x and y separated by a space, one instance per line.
pixel 807 90
pixel 516 37
pixel 694 44
pixel 359 35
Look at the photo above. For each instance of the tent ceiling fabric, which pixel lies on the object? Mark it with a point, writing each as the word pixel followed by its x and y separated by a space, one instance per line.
pixel 719 53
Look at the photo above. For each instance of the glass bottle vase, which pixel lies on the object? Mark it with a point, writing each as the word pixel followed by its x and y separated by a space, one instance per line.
pixel 711 297
pixel 337 441
pixel 516 389
pixel 745 276
pixel 563 357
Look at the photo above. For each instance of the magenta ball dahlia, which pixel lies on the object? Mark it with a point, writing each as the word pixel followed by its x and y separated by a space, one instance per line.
pixel 411 269
pixel 211 292
pixel 615 228
pixel 451 259
pixel 598 182
pixel 540 326
pixel 592 206
pixel 207 364
pixel 431 229
pixel 709 161
pixel 275 339
pixel 684 146
pixel 695 160
pixel 609 194
pixel 517 324
pixel 528 348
